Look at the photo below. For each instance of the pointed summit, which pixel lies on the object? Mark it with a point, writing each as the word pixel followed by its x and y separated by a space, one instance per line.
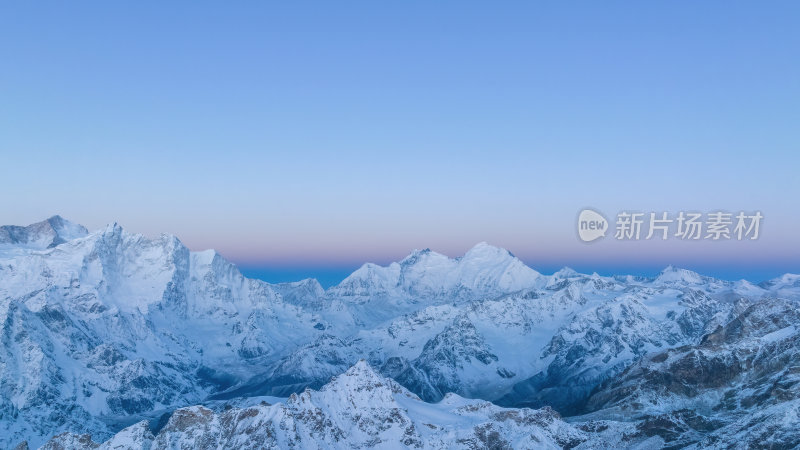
pixel 362 369
pixel 369 279
pixel 363 381
pixel 66 230
pixel 58 221
pixel 41 235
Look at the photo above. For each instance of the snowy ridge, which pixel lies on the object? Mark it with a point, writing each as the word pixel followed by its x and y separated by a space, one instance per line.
pixel 116 328
pixel 426 274
pixel 358 409
pixel 113 324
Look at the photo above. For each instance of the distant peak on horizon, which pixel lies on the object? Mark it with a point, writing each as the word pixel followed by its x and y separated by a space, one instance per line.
pixel 56 230
pixel 54 220
pixel 482 251
pixel 41 235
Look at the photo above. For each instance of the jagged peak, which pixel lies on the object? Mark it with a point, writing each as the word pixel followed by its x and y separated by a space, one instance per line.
pixel 113 228
pixel 422 256
pixel 115 231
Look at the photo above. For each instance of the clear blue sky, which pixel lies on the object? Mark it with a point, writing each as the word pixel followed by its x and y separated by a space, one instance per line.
pixel 326 134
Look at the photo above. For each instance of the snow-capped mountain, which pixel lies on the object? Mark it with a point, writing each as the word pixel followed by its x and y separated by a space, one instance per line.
pixel 112 325
pixel 425 274
pixel 375 294
pixel 104 330
pixel 740 384
pixel 357 409
pixel 40 235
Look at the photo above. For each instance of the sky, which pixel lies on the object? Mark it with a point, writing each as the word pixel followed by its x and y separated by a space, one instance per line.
pixel 305 138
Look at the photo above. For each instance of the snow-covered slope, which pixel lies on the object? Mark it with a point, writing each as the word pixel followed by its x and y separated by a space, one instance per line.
pixel 740 384
pixel 116 328
pixel 112 325
pixel 360 409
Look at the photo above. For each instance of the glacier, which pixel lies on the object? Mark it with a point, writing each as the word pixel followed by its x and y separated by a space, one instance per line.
pixel 110 337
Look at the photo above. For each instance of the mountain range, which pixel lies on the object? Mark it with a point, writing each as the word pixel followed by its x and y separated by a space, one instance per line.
pixel 112 339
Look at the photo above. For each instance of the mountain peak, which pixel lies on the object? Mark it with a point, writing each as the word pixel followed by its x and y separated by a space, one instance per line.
pixel 424 255
pixel 361 367
pixel 113 228
pixel 362 380
pixel 565 272
pixel 483 270
pixel 65 229
pixel 783 281
pixel 42 235
pixel 484 249
pixel 56 219
pixel 672 274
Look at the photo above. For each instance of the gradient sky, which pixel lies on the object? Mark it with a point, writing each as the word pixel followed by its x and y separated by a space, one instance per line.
pixel 309 137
